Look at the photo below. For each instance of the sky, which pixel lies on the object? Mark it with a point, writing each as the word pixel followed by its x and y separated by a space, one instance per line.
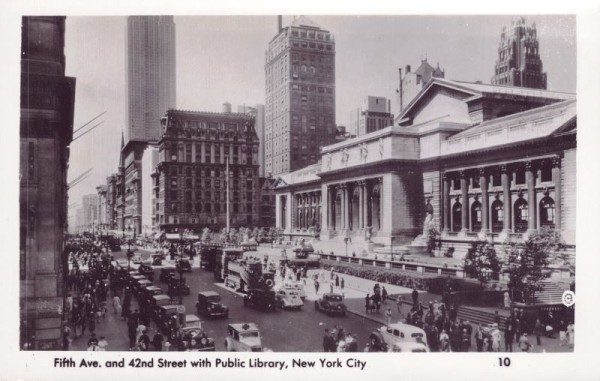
pixel 221 59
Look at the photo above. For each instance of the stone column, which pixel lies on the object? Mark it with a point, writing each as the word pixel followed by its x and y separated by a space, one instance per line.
pixel 446 201
pixel 506 199
pixel 531 199
pixel 556 179
pixel 344 207
pixel 330 206
pixel 361 201
pixel 465 202
pixel 485 221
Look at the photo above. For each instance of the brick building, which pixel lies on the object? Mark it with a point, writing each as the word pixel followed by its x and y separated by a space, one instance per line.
pixel 190 178
pixel 300 96
pixel 483 161
pixel 374 114
pixel 46 130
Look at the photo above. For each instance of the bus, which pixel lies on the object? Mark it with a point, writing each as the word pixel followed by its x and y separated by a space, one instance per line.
pixel 222 258
pixel 208 254
pixel 245 274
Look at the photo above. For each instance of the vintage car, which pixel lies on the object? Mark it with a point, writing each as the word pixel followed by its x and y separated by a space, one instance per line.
pixel 167 274
pixel 147 271
pixel 409 346
pixel 298 286
pixel 195 340
pixel 384 338
pixel 178 287
pixel 288 298
pixel 331 304
pixel 260 299
pixel 243 337
pixel 137 259
pixel 141 284
pixel 133 280
pixel 209 304
pixel 158 301
pixel 157 259
pixel 169 318
pixel 148 292
pixel 184 265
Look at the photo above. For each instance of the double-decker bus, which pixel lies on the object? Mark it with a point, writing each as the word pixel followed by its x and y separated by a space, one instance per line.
pixel 208 255
pixel 222 258
pixel 245 274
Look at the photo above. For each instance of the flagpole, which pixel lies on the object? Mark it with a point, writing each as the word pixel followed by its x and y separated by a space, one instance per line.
pixel 227 195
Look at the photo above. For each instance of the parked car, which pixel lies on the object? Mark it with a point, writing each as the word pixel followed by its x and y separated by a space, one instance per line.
pixel 184 265
pixel 243 337
pixel 169 318
pixel 209 304
pixel 147 271
pixel 288 298
pixel 166 275
pixel 260 299
pixel 331 303
pixel 197 341
pixel 384 338
pixel 158 301
pixel 148 292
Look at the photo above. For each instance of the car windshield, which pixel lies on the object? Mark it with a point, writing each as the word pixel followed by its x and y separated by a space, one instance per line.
pixel 246 335
pixel 334 298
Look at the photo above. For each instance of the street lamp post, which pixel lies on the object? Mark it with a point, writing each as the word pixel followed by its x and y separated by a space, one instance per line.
pixel 180 284
pixel 129 252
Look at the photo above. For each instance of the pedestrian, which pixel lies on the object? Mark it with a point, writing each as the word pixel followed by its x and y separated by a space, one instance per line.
pixel 144 341
pixel 524 343
pixel 388 316
pixel 444 342
pixel 384 295
pixel 415 297
pixel 367 304
pixel 116 304
pixel 66 338
pixel 342 283
pixel 337 281
pixel 571 334
pixel 157 341
pixel 509 333
pixel 102 344
pixel 328 342
pixel 399 304
pixel 465 341
pixel 93 340
pixel 562 333
pixel 331 287
pixel 316 286
pixel 539 331
pixel 92 325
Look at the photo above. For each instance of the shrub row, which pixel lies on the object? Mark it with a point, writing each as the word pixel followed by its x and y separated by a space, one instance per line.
pixel 424 282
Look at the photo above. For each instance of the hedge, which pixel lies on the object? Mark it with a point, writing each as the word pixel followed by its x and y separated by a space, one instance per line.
pixel 424 282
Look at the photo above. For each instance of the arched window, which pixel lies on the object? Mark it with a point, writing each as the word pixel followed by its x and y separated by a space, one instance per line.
pixel 547 211
pixel 521 215
pixel 456 217
pixel 497 216
pixel 476 216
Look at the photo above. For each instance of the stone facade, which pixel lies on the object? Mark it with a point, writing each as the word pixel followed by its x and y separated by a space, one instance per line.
pixel 500 177
pixel 46 130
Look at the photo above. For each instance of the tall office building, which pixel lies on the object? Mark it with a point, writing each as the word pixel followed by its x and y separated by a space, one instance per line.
pixel 300 96
pixel 374 114
pixel 413 81
pixel 150 93
pixel 150 74
pixel 519 62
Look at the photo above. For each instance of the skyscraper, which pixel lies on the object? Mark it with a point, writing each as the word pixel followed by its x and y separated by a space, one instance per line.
pixel 519 62
pixel 300 96
pixel 150 93
pixel 150 74
pixel 414 81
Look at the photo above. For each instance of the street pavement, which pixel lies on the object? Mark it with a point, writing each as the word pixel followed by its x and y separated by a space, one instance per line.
pixel 282 331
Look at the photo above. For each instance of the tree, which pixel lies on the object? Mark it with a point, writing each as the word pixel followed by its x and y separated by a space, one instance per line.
pixel 481 261
pixel 205 235
pixel 528 261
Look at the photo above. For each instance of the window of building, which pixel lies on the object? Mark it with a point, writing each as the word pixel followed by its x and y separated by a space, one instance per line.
pixel 497 216
pixel 546 173
pixel 456 217
pixel 236 208
pixel 207 208
pixel 188 207
pixel 521 215
pixel 496 179
pixel 520 176
pixel 476 216
pixel 456 184
pixel 547 212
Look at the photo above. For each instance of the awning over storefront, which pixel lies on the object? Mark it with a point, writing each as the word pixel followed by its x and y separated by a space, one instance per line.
pixel 172 237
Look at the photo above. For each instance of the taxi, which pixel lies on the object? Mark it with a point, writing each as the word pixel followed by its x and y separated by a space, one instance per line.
pixel 243 337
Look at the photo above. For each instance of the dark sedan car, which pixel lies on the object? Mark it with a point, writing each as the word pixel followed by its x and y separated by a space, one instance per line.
pixel 147 271
pixel 260 299
pixel 183 265
pixel 166 275
pixel 178 287
pixel 209 304
pixel 331 304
